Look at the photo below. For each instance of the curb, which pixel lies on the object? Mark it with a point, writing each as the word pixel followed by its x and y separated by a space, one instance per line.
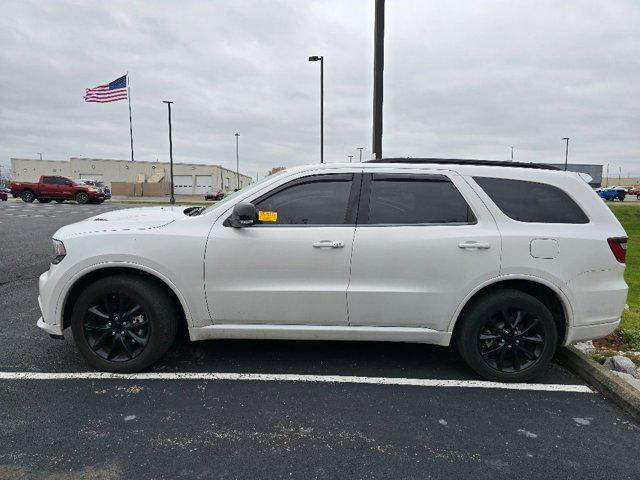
pixel 607 383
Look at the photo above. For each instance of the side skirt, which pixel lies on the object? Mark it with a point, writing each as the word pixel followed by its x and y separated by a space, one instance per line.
pixel 320 332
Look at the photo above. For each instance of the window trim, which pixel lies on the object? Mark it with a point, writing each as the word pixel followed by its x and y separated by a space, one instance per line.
pixel 352 202
pixel 365 197
pixel 508 217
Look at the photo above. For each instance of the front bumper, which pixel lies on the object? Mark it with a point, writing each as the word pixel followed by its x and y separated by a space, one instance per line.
pixel 47 300
pixel 50 329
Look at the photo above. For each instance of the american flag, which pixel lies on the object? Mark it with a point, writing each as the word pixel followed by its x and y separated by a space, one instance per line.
pixel 109 92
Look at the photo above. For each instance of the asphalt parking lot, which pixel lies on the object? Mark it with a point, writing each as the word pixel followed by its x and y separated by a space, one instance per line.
pixel 239 416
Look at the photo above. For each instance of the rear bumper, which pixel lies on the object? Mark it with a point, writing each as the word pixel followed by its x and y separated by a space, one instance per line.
pixel 590 332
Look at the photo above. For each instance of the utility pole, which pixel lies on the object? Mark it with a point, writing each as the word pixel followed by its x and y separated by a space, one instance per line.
pixel 172 200
pixel 566 153
pixel 607 181
pixel 319 58
pixel 237 163
pixel 360 148
pixel 619 175
pixel 378 77
pixel 512 153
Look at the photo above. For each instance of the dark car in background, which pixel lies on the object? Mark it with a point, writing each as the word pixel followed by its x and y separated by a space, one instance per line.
pixel 3 195
pixel 215 194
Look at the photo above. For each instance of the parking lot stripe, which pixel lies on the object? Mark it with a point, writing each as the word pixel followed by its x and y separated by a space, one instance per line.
pixel 268 377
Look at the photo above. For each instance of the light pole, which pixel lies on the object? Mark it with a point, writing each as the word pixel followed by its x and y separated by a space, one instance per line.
pixel 566 153
pixel 378 78
pixel 237 163
pixel 319 58
pixel 512 153
pixel 172 200
pixel 619 175
pixel 360 148
pixel 607 181
pixel 350 158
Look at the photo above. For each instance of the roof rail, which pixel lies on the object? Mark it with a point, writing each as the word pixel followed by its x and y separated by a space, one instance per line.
pixel 466 161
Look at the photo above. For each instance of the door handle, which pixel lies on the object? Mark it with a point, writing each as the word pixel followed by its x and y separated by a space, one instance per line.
pixel 328 244
pixel 472 245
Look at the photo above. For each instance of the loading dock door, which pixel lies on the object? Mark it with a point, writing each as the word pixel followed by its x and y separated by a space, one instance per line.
pixel 183 184
pixel 203 183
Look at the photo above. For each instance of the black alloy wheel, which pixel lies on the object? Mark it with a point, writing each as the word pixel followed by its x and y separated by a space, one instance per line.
pixel 507 335
pixel 116 327
pixel 511 340
pixel 124 323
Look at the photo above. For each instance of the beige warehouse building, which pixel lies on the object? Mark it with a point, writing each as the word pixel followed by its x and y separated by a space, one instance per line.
pixel 189 178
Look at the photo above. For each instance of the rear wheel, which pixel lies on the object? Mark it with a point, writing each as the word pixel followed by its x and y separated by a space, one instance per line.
pixel 123 324
pixel 27 196
pixel 507 336
pixel 82 198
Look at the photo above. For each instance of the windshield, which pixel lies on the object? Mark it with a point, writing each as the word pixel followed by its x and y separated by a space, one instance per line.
pixel 231 196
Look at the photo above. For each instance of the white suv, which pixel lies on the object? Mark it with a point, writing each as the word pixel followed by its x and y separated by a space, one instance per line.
pixel 507 260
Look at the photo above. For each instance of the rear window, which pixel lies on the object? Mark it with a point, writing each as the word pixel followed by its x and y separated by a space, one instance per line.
pixel 531 201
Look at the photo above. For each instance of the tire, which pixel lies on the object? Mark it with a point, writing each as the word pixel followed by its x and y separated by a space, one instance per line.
pixel 498 350
pixel 44 200
pixel 59 200
pixel 155 323
pixel 82 198
pixel 27 196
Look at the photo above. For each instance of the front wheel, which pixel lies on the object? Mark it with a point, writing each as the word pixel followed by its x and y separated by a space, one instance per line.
pixel 507 336
pixel 82 198
pixel 123 323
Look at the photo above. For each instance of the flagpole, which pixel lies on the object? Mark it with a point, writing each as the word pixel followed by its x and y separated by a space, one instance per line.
pixel 130 122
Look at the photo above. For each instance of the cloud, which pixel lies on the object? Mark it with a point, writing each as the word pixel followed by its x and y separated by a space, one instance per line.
pixel 462 78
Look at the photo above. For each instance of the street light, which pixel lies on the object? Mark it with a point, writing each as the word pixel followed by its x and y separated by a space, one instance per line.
pixel 350 158
pixel 237 163
pixel 317 58
pixel 512 153
pixel 566 153
pixel 360 148
pixel 172 200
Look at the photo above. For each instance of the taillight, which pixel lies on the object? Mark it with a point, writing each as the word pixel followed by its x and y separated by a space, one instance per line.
pixel 618 247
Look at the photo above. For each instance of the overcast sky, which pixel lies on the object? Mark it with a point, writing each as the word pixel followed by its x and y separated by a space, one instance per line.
pixel 462 79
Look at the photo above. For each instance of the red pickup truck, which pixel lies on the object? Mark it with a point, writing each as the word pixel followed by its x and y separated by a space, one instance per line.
pixel 51 187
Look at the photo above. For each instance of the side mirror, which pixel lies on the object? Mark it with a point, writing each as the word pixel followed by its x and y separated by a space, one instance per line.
pixel 244 215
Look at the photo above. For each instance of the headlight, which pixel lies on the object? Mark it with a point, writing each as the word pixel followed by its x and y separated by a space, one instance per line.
pixel 91 189
pixel 59 251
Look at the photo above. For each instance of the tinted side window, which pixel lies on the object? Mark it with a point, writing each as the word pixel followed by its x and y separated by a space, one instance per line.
pixel 410 199
pixel 319 200
pixel 531 201
pixel 49 180
pixel 61 181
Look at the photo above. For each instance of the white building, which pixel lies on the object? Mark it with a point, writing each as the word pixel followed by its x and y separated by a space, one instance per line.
pixel 189 178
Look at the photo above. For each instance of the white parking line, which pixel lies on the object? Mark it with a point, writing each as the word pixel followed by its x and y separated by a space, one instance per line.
pixel 284 377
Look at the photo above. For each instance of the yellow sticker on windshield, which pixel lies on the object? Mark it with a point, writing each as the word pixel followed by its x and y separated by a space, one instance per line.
pixel 268 216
